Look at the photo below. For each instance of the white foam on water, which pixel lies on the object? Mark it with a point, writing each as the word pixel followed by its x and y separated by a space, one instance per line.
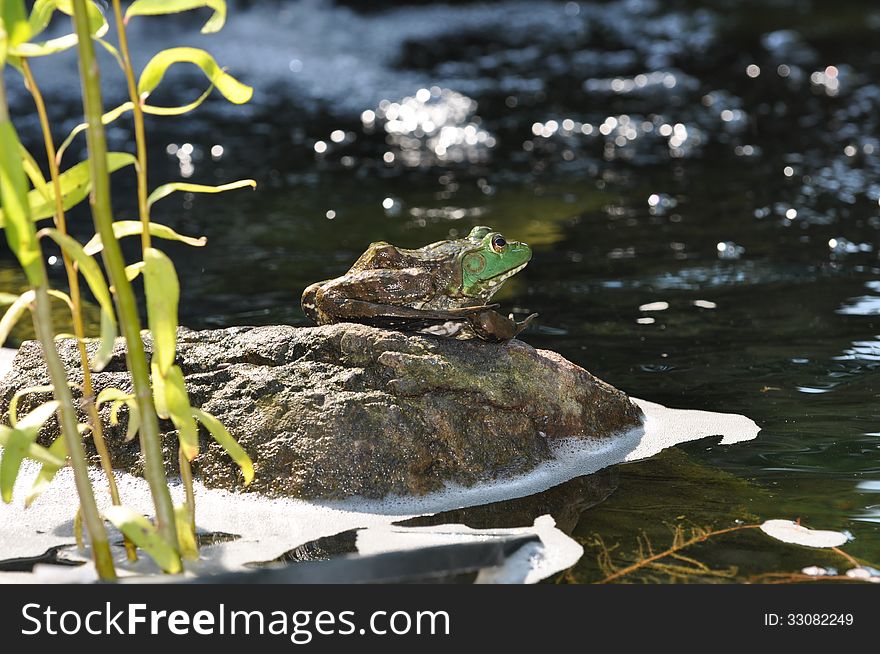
pixel 269 527
pixel 791 532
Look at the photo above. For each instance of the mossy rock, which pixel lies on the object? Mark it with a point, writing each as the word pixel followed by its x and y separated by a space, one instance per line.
pixel 343 410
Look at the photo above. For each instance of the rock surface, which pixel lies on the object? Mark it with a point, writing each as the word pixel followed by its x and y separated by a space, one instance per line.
pixel 341 410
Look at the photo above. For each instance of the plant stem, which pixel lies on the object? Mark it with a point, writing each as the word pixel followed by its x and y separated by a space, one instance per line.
pixel 660 555
pixel 42 318
pixel 186 477
pixel 67 418
pixel 144 208
pixel 99 198
pixel 88 393
pixel 139 135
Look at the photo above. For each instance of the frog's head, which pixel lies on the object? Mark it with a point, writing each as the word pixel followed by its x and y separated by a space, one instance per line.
pixel 489 261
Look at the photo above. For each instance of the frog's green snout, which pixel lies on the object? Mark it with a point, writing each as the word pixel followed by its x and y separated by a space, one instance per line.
pixel 520 250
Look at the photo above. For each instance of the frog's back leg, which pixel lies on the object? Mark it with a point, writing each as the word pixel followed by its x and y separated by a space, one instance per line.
pixel 378 256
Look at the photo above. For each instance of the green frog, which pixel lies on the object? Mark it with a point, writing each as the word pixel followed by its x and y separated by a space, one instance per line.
pixel 446 281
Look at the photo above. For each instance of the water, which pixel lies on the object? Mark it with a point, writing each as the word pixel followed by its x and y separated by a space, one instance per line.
pixel 700 186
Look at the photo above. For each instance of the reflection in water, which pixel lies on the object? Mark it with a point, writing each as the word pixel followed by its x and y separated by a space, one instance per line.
pixel 565 503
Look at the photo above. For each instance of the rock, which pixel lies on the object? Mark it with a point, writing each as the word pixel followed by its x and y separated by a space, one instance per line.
pixel 346 409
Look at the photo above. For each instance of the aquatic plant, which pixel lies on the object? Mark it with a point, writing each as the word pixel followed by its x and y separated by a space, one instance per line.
pixel 671 564
pixel 158 389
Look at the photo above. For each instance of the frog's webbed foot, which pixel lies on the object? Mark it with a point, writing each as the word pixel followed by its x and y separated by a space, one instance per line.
pixel 492 326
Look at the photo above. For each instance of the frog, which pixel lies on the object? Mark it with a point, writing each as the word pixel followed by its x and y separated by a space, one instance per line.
pixel 449 281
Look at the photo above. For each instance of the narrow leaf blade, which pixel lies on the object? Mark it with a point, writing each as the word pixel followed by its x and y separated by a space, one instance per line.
pixel 177 403
pixel 16 215
pixel 227 442
pixel 155 70
pixel 156 7
pixel 186 538
pixel 15 448
pixel 48 471
pixel 163 292
pixel 167 189
pixel 145 535
pixel 123 228
pixel 14 313
pixel 95 279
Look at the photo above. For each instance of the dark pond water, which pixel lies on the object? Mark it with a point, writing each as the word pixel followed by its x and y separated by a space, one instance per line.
pixel 700 183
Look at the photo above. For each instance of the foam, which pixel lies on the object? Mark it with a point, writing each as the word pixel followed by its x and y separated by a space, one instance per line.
pixel 791 532
pixel 269 527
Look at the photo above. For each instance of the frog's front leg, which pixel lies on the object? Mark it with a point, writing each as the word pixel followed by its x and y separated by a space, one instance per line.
pixel 492 326
pixel 377 296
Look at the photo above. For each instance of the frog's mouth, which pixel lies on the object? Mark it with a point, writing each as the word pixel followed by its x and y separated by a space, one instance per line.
pixel 502 277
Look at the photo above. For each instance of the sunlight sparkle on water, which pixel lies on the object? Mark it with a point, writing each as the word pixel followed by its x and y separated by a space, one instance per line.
pixel 434 125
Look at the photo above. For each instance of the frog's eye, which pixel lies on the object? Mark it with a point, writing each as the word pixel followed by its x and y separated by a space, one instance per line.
pixel 498 243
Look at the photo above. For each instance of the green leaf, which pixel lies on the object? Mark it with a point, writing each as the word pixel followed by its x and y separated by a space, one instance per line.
pixel 145 535
pixel 109 47
pixel 177 111
pixel 40 16
pixel 108 339
pixel 16 221
pixel 111 394
pixel 123 228
pixel 133 270
pixel 14 313
pixel 32 170
pixel 156 7
pixel 134 414
pixel 177 403
pixel 163 292
pixel 95 279
pixel 14 19
pixel 186 538
pixel 36 452
pixel 106 119
pixel 13 403
pixel 167 189
pixel 18 442
pixel 39 20
pixel 15 447
pixel 227 442
pixel 124 108
pixel 75 186
pixel 114 411
pixel 19 305
pixel 154 71
pixel 34 420
pixel 158 390
pixel 134 420
pixel 48 471
pixel 61 295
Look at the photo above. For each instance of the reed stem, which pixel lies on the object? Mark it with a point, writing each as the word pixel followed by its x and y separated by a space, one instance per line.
pixel 88 393
pixel 99 199
pixel 139 132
